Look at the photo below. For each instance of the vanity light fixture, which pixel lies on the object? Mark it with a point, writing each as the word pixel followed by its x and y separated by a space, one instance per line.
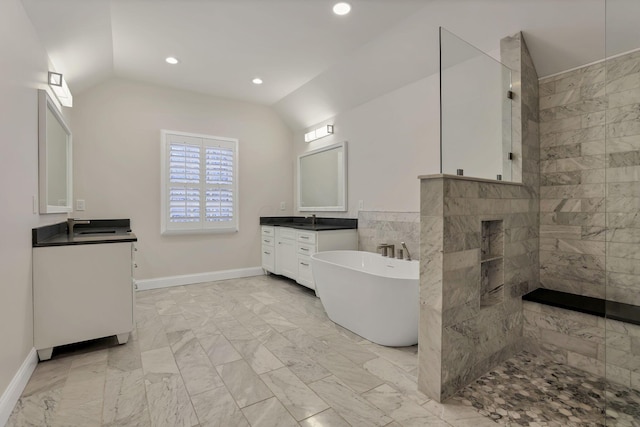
pixel 341 8
pixel 257 81
pixel 318 133
pixel 171 60
pixel 55 79
pixel 60 89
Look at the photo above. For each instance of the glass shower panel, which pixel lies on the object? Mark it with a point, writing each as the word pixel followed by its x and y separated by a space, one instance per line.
pixel 475 111
pixel 622 212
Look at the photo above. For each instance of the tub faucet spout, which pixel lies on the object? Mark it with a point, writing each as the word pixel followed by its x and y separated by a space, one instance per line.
pixel 406 250
pixel 387 249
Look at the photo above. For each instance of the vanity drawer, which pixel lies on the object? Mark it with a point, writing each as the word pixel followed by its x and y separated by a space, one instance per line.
pixel 267 241
pixel 305 237
pixel 304 249
pixel 286 233
pixel 268 231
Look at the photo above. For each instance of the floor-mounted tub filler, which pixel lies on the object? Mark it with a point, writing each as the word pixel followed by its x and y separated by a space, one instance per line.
pixel 374 296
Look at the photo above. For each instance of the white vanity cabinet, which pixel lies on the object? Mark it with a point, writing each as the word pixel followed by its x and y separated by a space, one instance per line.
pixel 82 292
pixel 293 249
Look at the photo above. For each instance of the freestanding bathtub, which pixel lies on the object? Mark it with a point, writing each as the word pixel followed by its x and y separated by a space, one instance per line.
pixel 374 296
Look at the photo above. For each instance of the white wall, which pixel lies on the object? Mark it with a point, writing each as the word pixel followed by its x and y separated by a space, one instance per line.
pixel 391 140
pixel 117 170
pixel 24 65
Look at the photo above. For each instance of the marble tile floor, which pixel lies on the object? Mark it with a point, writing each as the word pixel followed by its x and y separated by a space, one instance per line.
pixel 529 390
pixel 258 351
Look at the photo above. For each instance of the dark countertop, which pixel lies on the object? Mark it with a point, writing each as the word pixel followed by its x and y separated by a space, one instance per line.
pixel 305 223
pixel 97 232
pixel 589 305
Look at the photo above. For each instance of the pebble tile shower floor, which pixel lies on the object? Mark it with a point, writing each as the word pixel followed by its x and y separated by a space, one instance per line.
pixel 529 390
pixel 261 352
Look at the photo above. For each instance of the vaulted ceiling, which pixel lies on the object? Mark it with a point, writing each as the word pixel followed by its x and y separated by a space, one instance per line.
pixel 314 64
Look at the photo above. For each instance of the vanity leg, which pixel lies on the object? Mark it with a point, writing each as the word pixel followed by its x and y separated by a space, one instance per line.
pixel 45 354
pixel 123 338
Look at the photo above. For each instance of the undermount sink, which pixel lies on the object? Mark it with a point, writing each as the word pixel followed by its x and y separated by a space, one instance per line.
pixel 84 232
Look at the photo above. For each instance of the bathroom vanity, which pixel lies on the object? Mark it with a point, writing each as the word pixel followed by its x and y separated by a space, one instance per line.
pixel 82 283
pixel 289 242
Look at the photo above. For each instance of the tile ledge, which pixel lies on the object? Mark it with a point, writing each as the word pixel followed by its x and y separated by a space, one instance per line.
pixel 467 178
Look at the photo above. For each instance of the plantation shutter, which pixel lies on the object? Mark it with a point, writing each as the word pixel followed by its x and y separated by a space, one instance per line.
pixel 200 186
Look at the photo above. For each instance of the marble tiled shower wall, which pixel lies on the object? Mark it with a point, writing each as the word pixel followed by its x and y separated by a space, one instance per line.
pixel 602 347
pixel 590 180
pixel 375 228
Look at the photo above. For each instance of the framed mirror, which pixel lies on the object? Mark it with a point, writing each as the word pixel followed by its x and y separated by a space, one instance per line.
pixel 54 158
pixel 322 179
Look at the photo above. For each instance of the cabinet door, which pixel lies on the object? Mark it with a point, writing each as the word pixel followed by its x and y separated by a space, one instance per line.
pixel 81 292
pixel 304 272
pixel 268 258
pixel 286 258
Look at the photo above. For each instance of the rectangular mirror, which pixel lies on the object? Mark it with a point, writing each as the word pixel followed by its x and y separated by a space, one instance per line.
pixel 54 158
pixel 322 179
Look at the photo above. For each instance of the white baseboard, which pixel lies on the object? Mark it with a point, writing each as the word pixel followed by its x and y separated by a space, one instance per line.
pixel 11 395
pixel 190 279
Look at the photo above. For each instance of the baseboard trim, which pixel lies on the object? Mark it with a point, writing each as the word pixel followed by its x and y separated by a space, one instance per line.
pixel 190 279
pixel 11 395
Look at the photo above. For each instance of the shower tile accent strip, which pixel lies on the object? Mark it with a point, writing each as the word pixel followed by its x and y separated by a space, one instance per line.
pixel 376 227
pixel 590 180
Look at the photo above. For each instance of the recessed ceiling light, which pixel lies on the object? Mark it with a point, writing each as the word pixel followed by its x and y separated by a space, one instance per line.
pixel 257 81
pixel 341 8
pixel 171 60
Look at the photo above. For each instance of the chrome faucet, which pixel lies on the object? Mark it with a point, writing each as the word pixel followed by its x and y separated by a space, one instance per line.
pixel 313 220
pixel 387 249
pixel 406 250
pixel 71 223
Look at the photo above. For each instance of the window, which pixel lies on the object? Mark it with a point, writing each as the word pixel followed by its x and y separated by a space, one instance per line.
pixel 199 183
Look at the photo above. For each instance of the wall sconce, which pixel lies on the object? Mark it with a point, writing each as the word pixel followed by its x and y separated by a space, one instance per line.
pixel 321 132
pixel 60 89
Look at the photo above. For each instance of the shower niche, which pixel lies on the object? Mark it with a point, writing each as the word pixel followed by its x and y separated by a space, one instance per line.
pixel 491 263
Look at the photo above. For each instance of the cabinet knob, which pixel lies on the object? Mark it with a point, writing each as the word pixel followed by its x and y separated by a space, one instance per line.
pixel 135 265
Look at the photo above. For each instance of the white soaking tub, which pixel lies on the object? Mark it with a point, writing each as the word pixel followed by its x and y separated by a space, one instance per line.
pixel 374 296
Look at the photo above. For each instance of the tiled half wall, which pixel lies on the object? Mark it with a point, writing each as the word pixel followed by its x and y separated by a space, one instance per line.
pixel 376 227
pixel 471 316
pixel 590 180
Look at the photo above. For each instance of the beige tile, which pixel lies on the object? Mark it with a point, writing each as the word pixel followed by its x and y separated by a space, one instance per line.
pixel 269 413
pixel 217 408
pixel 125 399
pixel 243 383
pixel 400 407
pixel 351 406
pixel 328 418
pixel 299 400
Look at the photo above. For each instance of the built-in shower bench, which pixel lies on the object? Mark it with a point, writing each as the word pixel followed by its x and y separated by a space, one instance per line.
pixel 592 334
pixel 595 306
